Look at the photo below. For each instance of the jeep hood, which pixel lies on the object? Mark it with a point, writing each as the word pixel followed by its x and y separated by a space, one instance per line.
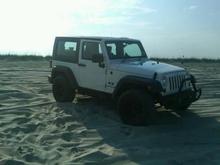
pixel 147 67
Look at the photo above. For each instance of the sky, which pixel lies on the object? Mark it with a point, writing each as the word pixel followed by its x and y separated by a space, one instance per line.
pixel 167 28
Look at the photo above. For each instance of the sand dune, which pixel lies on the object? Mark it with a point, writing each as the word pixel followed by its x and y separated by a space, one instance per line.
pixel 34 129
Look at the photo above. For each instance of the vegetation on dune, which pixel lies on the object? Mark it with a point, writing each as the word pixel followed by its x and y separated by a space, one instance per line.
pixel 185 60
pixel 14 57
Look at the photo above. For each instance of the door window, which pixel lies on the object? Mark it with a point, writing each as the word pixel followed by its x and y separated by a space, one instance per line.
pixel 90 48
pixel 111 49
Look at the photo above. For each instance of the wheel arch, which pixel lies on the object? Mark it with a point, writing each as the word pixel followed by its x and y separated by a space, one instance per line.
pixel 64 71
pixel 129 82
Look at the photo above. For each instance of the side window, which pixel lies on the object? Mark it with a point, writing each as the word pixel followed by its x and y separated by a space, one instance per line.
pixel 67 51
pixel 90 48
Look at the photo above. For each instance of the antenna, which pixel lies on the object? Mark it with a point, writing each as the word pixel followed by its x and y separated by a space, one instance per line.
pixel 182 56
pixel 182 59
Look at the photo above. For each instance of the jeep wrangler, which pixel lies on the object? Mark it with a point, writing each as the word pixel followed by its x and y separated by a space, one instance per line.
pixel 119 68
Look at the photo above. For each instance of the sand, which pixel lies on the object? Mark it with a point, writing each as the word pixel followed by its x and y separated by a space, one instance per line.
pixel 34 129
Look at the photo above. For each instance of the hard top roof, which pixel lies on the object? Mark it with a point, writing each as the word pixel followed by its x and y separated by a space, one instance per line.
pixel 96 38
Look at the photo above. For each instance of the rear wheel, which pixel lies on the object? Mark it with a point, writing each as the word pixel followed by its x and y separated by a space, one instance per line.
pixel 62 91
pixel 135 107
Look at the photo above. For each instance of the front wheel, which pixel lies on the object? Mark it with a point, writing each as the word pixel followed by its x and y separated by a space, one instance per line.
pixel 62 91
pixel 135 107
pixel 182 106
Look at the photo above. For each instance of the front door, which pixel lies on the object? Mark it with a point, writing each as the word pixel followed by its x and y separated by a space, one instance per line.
pixel 92 75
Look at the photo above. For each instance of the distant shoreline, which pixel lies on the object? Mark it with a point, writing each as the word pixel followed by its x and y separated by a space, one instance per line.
pixel 15 57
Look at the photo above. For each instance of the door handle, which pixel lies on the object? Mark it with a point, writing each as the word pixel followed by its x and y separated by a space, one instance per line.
pixel 83 65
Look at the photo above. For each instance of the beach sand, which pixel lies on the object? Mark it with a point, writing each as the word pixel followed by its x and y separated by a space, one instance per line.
pixel 34 129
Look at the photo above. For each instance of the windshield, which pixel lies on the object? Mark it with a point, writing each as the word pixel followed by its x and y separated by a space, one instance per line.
pixel 124 49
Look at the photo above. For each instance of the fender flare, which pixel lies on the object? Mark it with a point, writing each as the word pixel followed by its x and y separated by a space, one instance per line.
pixel 67 72
pixel 151 85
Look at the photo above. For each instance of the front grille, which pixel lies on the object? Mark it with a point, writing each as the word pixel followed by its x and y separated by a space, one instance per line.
pixel 175 82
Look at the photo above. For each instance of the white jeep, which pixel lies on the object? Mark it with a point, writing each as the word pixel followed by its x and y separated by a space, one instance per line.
pixel 119 68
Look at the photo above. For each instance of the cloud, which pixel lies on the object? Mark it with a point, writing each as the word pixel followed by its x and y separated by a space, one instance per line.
pixel 39 21
pixel 107 12
pixel 192 7
pixel 66 15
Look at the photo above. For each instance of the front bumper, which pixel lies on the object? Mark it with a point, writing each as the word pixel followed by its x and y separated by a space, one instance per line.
pixel 182 96
pixel 195 91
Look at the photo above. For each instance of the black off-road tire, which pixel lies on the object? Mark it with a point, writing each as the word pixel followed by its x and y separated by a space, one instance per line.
pixel 136 107
pixel 182 107
pixel 62 91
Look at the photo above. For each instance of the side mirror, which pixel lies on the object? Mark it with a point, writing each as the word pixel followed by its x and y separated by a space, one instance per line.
pixel 97 58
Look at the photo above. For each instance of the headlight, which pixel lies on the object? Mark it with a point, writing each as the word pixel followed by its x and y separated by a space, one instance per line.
pixel 164 81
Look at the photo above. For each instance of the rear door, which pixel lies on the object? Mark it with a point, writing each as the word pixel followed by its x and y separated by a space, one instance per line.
pixel 92 75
